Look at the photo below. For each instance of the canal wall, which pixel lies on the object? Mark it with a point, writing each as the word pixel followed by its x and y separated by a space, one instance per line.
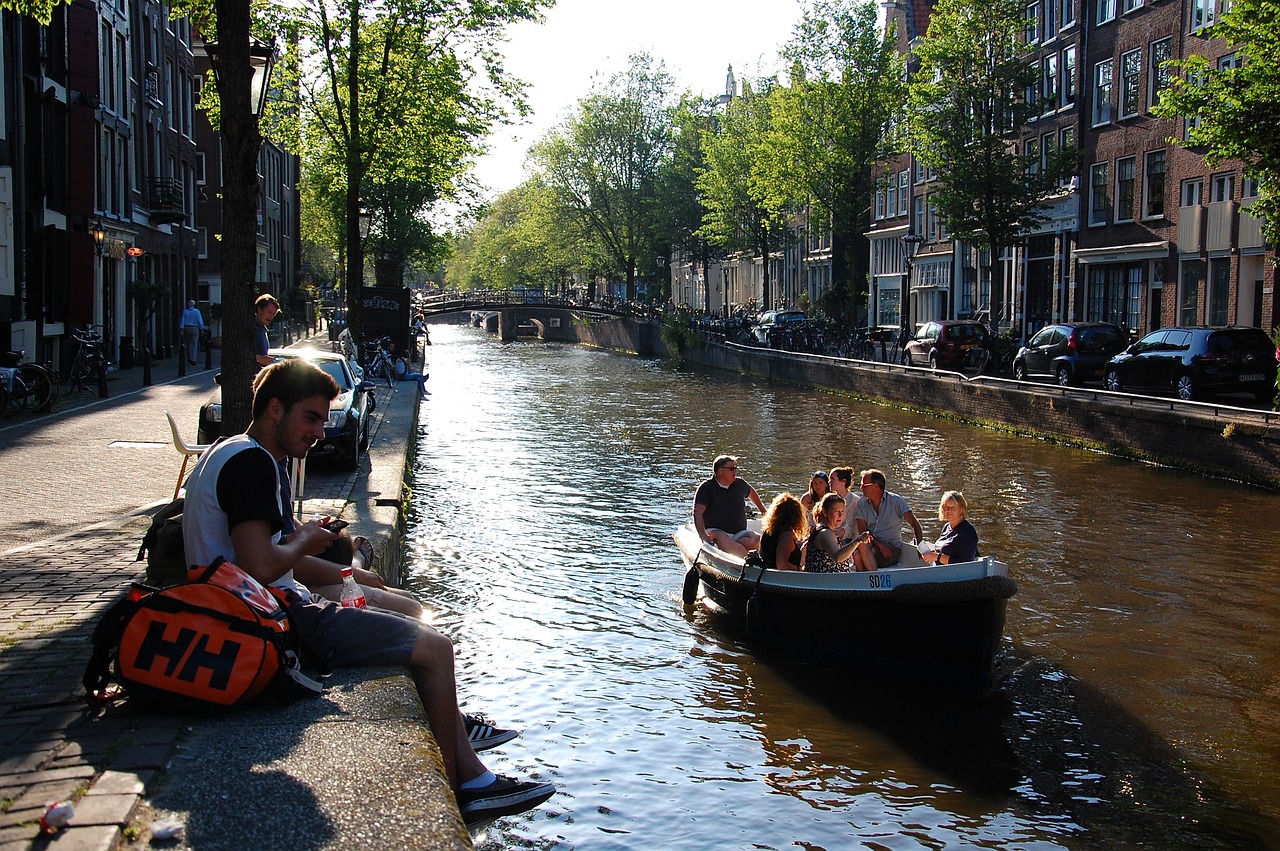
pixel 1217 440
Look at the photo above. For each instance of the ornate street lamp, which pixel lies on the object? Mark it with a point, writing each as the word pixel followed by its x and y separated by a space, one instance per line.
pixel 366 219
pixel 262 60
pixel 99 238
pixel 910 245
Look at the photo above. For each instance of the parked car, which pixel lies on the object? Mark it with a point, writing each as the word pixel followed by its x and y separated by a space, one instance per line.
pixel 774 322
pixel 1196 362
pixel 942 345
pixel 1069 353
pixel 346 434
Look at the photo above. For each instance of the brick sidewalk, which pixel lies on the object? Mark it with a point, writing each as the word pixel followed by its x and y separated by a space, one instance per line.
pixel 52 747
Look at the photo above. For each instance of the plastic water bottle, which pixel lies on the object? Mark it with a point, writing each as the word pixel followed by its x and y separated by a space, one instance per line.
pixel 351 594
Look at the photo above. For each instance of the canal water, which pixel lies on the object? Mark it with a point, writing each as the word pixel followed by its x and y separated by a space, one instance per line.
pixel 1139 699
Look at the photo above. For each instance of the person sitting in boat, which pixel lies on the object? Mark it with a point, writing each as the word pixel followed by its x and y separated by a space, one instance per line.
pixel 841 479
pixel 824 553
pixel 720 511
pixel 959 540
pixel 880 516
pixel 784 527
pixel 819 486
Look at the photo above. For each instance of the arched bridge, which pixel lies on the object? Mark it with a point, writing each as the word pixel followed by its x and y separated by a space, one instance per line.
pixel 552 315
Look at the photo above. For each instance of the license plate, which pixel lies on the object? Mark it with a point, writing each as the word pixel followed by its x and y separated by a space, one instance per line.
pixel 1252 378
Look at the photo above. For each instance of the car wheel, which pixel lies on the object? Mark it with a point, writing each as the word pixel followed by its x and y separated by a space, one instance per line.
pixel 1113 382
pixel 1063 376
pixel 364 436
pixel 1186 386
pixel 1019 371
pixel 933 360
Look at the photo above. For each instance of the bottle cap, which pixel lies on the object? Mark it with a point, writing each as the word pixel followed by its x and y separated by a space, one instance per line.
pixel 347 571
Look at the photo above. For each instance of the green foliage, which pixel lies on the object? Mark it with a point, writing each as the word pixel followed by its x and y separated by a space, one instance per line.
pixel 1238 109
pixel 605 162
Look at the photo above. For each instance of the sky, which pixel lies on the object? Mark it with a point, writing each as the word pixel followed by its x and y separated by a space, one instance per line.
pixel 697 40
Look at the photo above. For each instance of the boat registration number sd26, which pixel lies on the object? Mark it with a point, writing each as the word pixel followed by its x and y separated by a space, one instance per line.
pixel 879 580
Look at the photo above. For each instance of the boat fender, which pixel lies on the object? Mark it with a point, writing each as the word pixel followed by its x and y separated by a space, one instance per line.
pixel 690 595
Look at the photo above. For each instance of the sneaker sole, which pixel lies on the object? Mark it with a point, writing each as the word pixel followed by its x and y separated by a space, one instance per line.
pixel 488 809
pixel 502 738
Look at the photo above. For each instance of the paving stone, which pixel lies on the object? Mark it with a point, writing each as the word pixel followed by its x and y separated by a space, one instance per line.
pixel 40 794
pixel 93 838
pixel 104 809
pixel 120 783
pixel 141 756
pixel 77 772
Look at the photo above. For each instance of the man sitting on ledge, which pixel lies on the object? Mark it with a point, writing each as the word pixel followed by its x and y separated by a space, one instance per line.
pixel 234 510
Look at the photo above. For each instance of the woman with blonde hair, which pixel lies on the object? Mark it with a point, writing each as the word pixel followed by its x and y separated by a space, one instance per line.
pixel 783 528
pixel 959 540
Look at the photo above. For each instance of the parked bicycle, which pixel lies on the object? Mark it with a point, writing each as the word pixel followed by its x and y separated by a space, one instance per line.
pixel 29 387
pixel 89 359
pixel 378 362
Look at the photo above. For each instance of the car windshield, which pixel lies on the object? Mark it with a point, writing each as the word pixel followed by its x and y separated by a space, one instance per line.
pixel 335 371
pixel 790 318
pixel 1101 339
pixel 1239 339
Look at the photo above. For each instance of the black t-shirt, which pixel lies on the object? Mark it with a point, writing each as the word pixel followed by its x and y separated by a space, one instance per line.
pixel 247 489
pixel 726 507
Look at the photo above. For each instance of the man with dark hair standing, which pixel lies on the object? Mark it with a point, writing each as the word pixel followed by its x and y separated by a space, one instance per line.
pixel 265 309
pixel 234 511
pixel 720 511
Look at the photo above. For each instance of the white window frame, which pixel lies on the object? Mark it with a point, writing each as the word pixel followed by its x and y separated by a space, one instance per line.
pixel 1106 11
pixel 1124 212
pixel 1099 186
pixel 1191 192
pixel 1103 87
pixel 1222 187
pixel 1161 51
pixel 1148 172
pixel 1130 83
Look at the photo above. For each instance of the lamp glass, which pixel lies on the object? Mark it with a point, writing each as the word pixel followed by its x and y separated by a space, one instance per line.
pixel 365 219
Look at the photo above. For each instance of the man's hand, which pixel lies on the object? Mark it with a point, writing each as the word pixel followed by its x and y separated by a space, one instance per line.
pixel 312 538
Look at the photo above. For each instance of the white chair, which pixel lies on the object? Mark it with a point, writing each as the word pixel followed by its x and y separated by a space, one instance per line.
pixel 186 450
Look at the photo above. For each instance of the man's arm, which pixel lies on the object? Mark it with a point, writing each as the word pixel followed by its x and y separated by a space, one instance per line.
pixel 755 498
pixel 699 522
pixel 910 517
pixel 265 560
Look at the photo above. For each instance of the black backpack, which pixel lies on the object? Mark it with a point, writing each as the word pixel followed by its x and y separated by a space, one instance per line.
pixel 163 547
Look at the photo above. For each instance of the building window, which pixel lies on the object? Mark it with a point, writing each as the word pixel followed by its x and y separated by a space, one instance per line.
pixel 1130 82
pixel 1033 157
pixel 1102 92
pixel 1033 23
pixel 1217 310
pixel 1068 16
pixel 904 193
pixel 1153 185
pixel 1231 60
pixel 1193 192
pixel 917 215
pixel 1223 187
pixel 1189 301
pixel 1161 52
pixel 1249 187
pixel 879 203
pixel 1099 195
pixel 1131 5
pixel 1069 76
pixel 1114 294
pixel 1050 19
pixel 891 197
pixel 1049 78
pixel 1125 168
pixel 1046 150
pixel 1201 14
pixel 1106 10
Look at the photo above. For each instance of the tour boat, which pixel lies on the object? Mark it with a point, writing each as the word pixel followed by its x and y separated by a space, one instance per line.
pixel 939 623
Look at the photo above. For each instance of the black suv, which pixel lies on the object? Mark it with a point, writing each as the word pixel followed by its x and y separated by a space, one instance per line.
pixel 1197 362
pixel 1069 353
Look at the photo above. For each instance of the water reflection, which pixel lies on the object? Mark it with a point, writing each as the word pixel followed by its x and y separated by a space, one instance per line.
pixel 1141 706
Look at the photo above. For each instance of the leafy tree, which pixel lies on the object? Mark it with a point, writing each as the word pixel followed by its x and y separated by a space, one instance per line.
pixel 1237 110
pixel 680 207
pixel 967 109
pixel 832 124
pixel 743 212
pixel 605 161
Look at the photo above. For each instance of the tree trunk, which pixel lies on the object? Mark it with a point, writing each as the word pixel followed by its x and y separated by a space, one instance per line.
pixel 765 303
pixel 240 144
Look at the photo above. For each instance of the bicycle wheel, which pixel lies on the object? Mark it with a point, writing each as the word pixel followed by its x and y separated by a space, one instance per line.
pixel 38 387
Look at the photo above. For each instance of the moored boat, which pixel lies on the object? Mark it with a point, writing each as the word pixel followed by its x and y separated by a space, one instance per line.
pixel 930 623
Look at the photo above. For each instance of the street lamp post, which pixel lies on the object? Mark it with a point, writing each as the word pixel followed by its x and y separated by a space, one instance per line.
pixel 910 245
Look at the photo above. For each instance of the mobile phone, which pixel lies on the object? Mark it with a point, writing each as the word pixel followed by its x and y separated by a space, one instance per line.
pixel 336 525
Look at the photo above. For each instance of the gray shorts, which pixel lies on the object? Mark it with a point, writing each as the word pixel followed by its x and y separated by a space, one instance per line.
pixel 352 638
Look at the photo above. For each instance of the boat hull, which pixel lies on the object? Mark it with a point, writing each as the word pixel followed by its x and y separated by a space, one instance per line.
pixel 935 625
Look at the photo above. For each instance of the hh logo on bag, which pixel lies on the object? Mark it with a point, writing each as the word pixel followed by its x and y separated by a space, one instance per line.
pixel 180 652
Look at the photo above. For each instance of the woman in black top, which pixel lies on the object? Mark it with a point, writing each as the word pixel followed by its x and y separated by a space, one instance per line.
pixel 784 526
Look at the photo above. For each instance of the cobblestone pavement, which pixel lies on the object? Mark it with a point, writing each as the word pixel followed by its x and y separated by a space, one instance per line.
pixel 81 481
